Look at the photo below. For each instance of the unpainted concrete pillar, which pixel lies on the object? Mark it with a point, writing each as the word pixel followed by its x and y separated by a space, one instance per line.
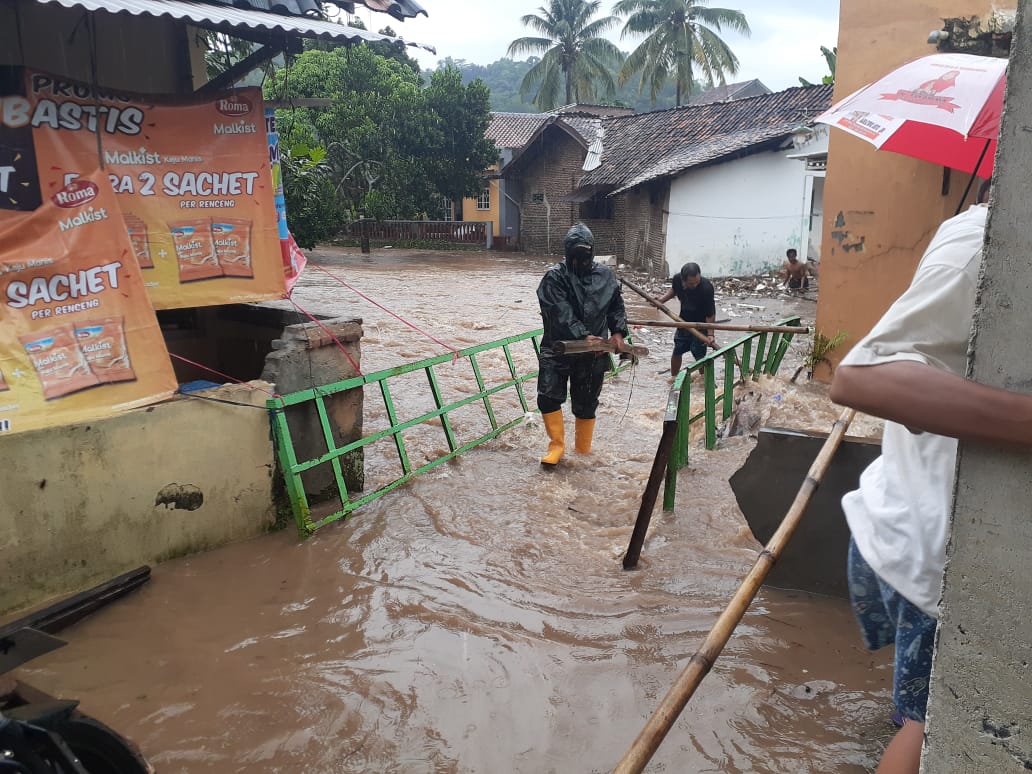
pixel 307 356
pixel 980 713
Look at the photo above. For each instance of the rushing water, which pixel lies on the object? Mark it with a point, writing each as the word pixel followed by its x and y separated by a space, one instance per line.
pixel 478 619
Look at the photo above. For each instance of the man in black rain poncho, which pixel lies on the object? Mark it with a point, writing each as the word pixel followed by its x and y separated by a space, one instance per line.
pixel 579 300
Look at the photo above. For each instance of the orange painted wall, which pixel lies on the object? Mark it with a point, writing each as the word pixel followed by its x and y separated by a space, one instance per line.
pixel 880 209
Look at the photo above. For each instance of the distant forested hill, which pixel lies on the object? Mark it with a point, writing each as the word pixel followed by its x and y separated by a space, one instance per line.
pixel 503 78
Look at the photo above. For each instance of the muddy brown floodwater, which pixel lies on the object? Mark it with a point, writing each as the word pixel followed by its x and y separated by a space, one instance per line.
pixel 478 619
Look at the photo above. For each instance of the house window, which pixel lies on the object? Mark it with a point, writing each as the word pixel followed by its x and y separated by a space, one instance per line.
pixel 445 208
pixel 484 200
pixel 597 208
pixel 538 198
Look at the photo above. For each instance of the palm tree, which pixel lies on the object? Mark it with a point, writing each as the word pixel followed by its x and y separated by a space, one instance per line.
pixel 681 37
pixel 573 53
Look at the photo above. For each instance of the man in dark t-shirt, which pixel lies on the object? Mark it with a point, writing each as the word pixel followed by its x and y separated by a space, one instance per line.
pixel 695 293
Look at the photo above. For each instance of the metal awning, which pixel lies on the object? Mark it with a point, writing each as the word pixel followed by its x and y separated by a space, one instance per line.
pixel 225 18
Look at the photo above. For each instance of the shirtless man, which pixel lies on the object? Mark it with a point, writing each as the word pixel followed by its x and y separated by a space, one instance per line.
pixel 795 272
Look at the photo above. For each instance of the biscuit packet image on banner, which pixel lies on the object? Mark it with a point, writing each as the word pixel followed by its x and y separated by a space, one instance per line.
pixel 233 246
pixel 195 250
pixel 102 341
pixel 137 229
pixel 60 364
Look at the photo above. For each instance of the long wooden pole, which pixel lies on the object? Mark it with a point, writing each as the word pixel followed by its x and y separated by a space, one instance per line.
pixel 723 326
pixel 656 475
pixel 640 753
pixel 661 308
pixel 677 319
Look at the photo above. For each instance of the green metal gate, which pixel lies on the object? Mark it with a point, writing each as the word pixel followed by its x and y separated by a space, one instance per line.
pixel 294 468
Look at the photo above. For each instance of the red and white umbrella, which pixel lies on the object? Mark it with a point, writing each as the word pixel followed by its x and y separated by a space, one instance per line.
pixel 942 108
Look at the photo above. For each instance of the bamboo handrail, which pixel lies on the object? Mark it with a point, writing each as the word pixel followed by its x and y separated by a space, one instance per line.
pixel 644 747
pixel 661 308
pixel 677 319
pixel 723 326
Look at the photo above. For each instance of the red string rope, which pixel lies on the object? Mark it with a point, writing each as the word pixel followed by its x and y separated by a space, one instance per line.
pixel 381 306
pixel 328 332
pixel 219 373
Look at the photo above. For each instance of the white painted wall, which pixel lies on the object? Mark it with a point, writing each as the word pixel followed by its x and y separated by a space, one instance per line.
pixel 739 217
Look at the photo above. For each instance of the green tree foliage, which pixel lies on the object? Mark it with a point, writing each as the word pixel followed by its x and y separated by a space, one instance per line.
pixel 459 152
pixel 681 39
pixel 392 146
pixel 830 57
pixel 576 62
pixel 314 209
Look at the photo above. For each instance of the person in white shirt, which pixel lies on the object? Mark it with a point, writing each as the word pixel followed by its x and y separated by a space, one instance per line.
pixel 910 370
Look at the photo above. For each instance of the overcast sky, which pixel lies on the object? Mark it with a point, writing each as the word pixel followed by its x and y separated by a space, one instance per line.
pixel 787 35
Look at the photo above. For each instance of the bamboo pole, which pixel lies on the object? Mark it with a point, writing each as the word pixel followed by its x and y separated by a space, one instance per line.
pixel 640 753
pixel 661 308
pixel 578 346
pixel 677 319
pixel 723 326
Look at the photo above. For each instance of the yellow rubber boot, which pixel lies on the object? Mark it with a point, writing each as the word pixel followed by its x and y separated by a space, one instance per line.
pixel 584 429
pixel 556 437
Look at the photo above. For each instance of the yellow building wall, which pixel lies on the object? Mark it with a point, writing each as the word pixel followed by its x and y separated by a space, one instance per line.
pixel 880 209
pixel 471 213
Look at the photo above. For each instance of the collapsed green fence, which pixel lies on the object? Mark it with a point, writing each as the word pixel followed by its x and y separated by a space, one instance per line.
pixel 293 468
pixel 760 353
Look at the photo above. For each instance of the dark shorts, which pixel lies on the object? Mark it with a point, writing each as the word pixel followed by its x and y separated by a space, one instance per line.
pixel 886 617
pixel 796 283
pixel 691 344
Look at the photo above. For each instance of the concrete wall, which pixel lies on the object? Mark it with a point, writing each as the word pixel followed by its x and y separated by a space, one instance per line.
pixel 82 503
pixel 134 53
pixel 739 217
pixel 307 355
pixel 880 209
pixel 980 712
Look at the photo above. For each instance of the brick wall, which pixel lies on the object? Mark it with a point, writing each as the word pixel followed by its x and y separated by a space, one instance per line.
pixel 636 234
pixel 641 219
pixel 551 174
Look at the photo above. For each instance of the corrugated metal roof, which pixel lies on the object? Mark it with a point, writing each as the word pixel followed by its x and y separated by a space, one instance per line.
pixel 663 143
pixel 226 18
pixel 399 9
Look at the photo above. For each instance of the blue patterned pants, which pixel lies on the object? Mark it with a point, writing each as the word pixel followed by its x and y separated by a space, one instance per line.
pixel 886 617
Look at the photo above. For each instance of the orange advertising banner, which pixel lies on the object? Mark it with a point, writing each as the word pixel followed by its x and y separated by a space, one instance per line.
pixel 193 181
pixel 78 335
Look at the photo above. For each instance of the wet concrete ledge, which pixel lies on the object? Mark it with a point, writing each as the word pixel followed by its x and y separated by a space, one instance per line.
pixel 82 503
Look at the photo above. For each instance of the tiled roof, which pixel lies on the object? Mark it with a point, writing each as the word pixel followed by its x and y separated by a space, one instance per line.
pixel 648 146
pixel 399 9
pixel 514 130
pixel 730 91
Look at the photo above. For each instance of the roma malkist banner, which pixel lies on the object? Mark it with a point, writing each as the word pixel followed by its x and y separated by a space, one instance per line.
pixel 78 335
pixel 193 181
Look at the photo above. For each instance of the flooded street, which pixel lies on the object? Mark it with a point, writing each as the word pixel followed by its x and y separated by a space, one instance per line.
pixel 478 620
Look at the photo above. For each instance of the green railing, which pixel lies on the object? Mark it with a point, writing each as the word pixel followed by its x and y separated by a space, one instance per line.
pixel 293 469
pixel 761 353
